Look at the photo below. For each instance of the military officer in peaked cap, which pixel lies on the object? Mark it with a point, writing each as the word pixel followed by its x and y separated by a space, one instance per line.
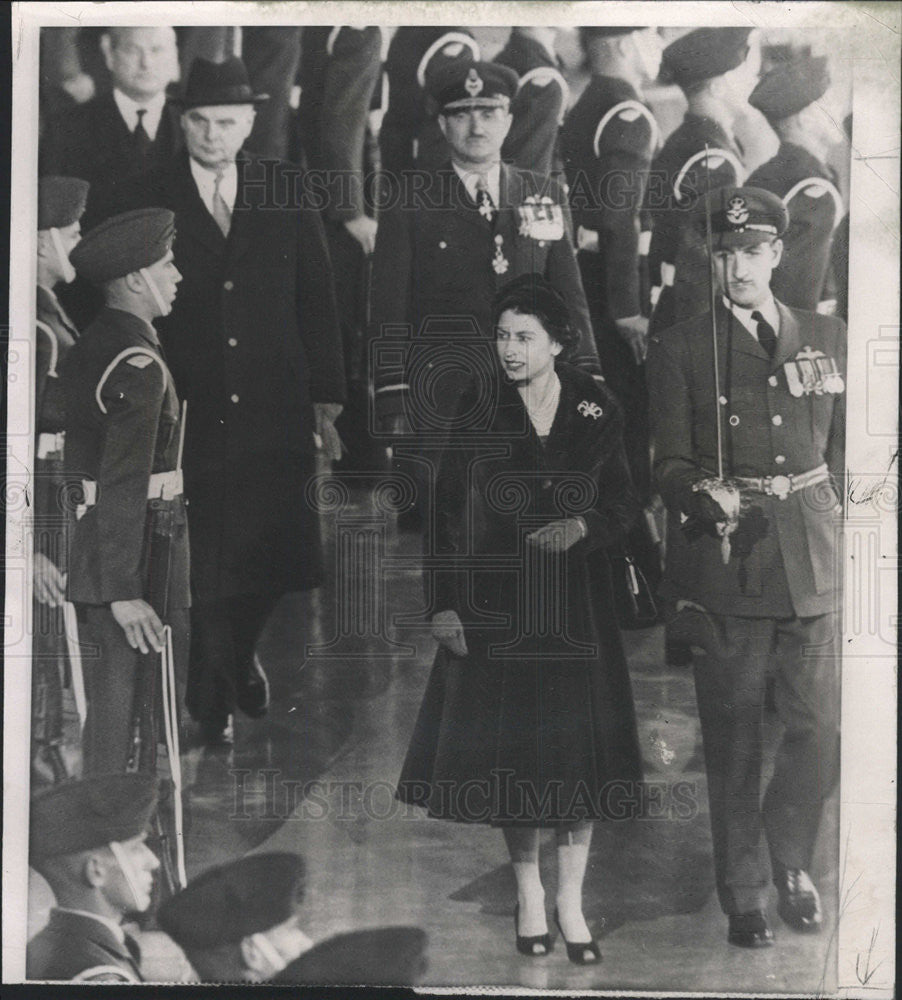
pixel 61 204
pixel 609 139
pixel 789 97
pixel 128 560
pixel 448 239
pixel 88 841
pixel 766 582
pixel 713 69
pixel 240 922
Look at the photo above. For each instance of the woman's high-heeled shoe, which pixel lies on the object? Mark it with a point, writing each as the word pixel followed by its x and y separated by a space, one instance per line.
pixel 587 953
pixel 536 946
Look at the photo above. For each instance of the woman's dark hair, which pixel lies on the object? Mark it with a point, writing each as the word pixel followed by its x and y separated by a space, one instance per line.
pixel 532 295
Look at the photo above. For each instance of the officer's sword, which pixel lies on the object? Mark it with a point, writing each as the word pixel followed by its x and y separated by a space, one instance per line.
pixel 725 492
pixel 70 624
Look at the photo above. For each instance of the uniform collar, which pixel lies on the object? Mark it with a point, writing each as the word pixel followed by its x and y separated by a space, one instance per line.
pixel 205 179
pixel 768 310
pixel 470 178
pixel 129 110
pixel 138 325
pixel 113 926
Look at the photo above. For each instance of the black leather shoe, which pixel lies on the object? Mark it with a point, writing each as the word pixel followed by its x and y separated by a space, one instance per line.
pixel 535 946
pixel 750 930
pixel 252 691
pixel 800 904
pixel 217 732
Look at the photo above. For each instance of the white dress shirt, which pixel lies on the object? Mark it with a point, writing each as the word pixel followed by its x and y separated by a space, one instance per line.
pixel 206 183
pixel 492 181
pixel 129 111
pixel 768 311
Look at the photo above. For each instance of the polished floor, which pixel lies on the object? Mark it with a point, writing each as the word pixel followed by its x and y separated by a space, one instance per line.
pixel 316 776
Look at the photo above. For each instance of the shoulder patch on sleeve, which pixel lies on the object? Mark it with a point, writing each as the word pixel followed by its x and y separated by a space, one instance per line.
pixel 817 187
pixel 541 76
pixel 140 360
pixel 628 112
pixel 450 45
pixel 140 357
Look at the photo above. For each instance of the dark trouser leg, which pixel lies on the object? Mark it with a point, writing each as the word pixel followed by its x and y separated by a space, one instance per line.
pixel 48 658
pixel 807 763
pixel 730 693
pixel 224 634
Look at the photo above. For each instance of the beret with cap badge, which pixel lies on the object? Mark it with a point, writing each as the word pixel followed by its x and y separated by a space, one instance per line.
pixel 705 53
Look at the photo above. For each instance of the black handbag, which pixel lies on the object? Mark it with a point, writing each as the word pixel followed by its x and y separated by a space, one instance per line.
pixel 636 575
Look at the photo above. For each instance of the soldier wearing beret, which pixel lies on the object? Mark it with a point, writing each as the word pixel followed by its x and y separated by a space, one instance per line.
pixel 541 101
pixel 88 841
pixel 448 239
pixel 788 96
pixel 756 554
pixel 713 69
pixel 609 139
pixel 61 204
pixel 410 136
pixel 128 557
pixel 240 922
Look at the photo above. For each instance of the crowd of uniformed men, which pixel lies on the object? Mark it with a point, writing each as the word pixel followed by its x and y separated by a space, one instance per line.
pixel 211 317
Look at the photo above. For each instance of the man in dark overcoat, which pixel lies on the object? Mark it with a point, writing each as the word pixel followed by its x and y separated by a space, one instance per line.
pixel 789 96
pixel 712 67
pixel 447 240
pixel 768 586
pixel 128 552
pixel 254 344
pixel 61 203
pixel 87 839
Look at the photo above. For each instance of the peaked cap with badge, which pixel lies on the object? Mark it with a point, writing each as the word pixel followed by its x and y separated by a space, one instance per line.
pixel 466 84
pixel 742 216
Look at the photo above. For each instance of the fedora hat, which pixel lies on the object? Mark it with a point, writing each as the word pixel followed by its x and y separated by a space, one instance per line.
pixel 211 83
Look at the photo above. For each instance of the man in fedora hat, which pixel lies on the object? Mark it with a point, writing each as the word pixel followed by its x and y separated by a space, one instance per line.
pixel 766 575
pixel 254 345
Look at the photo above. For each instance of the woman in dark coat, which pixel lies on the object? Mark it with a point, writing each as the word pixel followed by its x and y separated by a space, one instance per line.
pixel 528 717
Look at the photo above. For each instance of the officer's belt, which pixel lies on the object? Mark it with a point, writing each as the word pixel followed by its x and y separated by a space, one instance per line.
pixel 50 444
pixel 161 486
pixel 781 486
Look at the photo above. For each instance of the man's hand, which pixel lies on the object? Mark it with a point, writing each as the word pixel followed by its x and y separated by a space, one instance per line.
pixel 558 536
pixel 140 623
pixel 449 632
pixel 363 229
pixel 327 439
pixel 634 330
pixel 79 87
pixel 586 239
pixel 49 582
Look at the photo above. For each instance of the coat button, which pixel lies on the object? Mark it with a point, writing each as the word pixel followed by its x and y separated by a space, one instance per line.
pixel 228 285
pixel 776 420
pixel 734 421
pixel 546 484
pixel 779 459
pixel 442 245
pixel 233 342
pixel 234 397
pixel 772 380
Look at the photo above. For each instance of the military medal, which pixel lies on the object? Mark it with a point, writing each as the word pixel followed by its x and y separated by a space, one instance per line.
pixel 813 371
pixel 499 262
pixel 485 205
pixel 541 219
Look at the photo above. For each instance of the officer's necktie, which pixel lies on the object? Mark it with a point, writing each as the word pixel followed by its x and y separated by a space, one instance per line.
pixel 141 138
pixel 484 200
pixel 767 337
pixel 221 212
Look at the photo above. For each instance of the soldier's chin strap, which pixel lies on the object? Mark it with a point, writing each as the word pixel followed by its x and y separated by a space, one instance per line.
pixel 67 271
pixel 125 863
pixel 165 308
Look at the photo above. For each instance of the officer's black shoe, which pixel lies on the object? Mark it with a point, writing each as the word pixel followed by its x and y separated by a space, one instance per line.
pixel 799 903
pixel 217 732
pixel 750 930
pixel 252 691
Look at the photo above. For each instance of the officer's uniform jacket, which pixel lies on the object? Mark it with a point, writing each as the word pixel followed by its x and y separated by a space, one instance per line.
pixel 340 67
pixel 122 427
pixel 443 260
pixel 815 206
pixel 678 265
pixel 772 426
pixel 76 947
pixel 609 139
pixel 410 136
pixel 538 107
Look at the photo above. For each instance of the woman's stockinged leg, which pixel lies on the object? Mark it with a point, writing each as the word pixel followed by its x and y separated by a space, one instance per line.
pixel 572 855
pixel 523 847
